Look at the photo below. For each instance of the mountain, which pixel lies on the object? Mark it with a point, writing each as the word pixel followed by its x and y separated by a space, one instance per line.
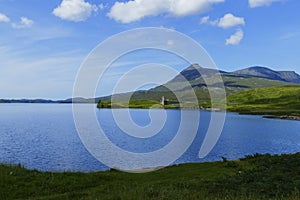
pixel 77 100
pixel 195 72
pixel 264 72
pixel 200 79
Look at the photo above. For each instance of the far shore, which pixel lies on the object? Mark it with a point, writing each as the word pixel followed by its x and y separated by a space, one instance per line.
pixel 286 117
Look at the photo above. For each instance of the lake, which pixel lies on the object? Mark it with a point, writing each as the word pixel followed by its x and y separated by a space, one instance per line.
pixel 44 137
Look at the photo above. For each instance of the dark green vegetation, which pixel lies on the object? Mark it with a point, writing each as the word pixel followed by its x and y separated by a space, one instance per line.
pixel 136 104
pixel 26 101
pixel 253 177
pixel 274 101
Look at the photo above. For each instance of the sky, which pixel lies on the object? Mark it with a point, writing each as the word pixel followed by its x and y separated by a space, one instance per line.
pixel 44 43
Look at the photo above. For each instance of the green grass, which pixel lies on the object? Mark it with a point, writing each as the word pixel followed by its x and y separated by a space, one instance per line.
pixel 143 104
pixel 274 101
pixel 254 177
pixel 252 82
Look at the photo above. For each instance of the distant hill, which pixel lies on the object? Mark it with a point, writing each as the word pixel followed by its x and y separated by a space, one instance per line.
pixel 252 77
pixel 263 72
pixel 77 100
pixel 201 78
pixel 42 101
pixel 26 101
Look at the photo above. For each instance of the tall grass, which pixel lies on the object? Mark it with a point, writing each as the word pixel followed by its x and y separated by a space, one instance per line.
pixel 253 177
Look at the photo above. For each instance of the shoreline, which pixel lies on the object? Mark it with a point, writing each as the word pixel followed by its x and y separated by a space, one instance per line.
pixel 284 117
pixel 263 114
pixel 153 169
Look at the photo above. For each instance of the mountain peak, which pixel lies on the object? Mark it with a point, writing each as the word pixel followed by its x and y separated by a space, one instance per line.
pixel 195 71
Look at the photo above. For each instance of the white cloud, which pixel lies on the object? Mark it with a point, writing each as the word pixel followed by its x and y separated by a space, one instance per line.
pixel 135 10
pixel 259 3
pixel 227 21
pixel 24 23
pixel 4 18
pixel 206 20
pixel 236 38
pixel 187 7
pixel 75 10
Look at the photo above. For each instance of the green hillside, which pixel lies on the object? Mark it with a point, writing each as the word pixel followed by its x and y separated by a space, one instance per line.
pixel 189 78
pixel 234 84
pixel 204 83
pixel 273 101
pixel 200 79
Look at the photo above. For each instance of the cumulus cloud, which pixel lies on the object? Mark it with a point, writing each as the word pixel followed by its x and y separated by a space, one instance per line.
pixel 259 3
pixel 24 23
pixel 135 10
pixel 227 21
pixel 4 18
pixel 187 7
pixel 236 38
pixel 75 10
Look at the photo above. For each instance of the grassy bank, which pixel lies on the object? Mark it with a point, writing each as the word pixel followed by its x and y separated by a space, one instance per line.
pixel 142 104
pixel 275 101
pixel 254 177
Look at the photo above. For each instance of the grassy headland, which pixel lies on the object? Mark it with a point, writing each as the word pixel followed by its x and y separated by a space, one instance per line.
pixel 142 104
pixel 283 101
pixel 253 177
pixel 276 101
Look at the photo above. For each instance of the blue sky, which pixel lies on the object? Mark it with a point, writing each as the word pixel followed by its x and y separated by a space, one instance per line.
pixel 43 43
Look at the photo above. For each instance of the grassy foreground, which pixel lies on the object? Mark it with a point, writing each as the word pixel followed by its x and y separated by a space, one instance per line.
pixel 253 177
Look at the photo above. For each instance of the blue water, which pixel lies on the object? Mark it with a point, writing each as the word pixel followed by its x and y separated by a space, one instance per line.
pixel 44 137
